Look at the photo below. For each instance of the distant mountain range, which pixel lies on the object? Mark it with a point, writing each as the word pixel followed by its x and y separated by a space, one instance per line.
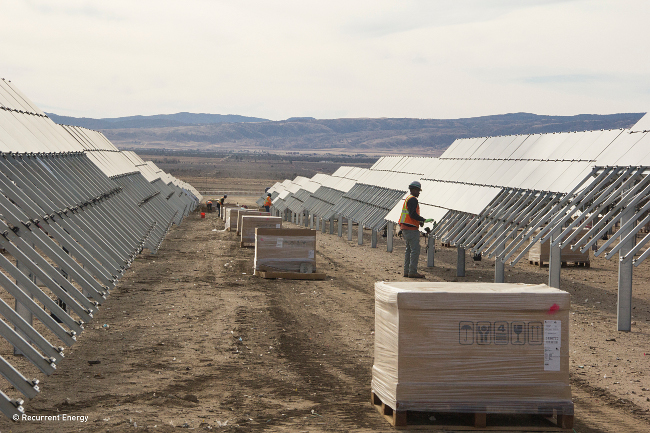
pixel 155 121
pixel 214 131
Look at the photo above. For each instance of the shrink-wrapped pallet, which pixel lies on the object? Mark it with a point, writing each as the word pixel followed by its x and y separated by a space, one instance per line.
pixel 540 252
pixel 225 207
pixel 243 212
pixel 251 222
pixel 472 347
pixel 232 215
pixel 284 250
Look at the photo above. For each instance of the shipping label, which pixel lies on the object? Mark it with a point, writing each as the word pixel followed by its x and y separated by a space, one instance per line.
pixel 552 344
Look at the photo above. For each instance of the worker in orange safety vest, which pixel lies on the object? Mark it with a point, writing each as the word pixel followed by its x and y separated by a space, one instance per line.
pixel 410 221
pixel 268 202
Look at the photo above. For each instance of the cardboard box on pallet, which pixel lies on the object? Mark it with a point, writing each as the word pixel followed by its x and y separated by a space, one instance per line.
pixel 232 214
pixel 251 222
pixel 540 252
pixel 225 207
pixel 472 347
pixel 243 212
pixel 283 250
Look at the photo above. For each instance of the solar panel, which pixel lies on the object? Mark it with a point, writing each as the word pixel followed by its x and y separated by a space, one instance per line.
pixel 623 143
pixel 643 125
pixel 638 154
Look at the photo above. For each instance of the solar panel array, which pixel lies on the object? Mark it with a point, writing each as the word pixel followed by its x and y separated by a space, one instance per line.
pixel 74 213
pixel 475 183
pixel 525 178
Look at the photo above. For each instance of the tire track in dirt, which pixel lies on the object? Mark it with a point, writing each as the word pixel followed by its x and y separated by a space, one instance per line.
pixel 601 411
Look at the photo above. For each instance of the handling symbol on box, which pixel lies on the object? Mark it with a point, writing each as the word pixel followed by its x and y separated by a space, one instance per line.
pixel 535 333
pixel 484 331
pixel 519 334
pixel 466 332
pixel 501 334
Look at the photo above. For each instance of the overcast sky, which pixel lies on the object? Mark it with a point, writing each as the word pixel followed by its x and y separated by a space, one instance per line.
pixel 328 59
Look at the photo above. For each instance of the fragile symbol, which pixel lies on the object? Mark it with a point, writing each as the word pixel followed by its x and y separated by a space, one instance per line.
pixel 466 332
pixel 518 334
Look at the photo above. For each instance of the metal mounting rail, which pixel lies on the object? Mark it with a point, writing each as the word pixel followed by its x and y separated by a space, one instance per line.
pixel 74 214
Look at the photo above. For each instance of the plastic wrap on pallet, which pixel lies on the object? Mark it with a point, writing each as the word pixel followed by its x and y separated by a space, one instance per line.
pixel 243 212
pixel 224 209
pixel 540 252
pixel 232 214
pixel 472 347
pixel 284 249
pixel 251 222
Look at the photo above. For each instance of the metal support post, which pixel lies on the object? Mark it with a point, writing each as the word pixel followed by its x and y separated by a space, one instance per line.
pixel 554 260
pixel 431 249
pixel 349 229
pixel 460 265
pixel 360 233
pixel 373 239
pixel 311 220
pixel 323 228
pixel 340 232
pixel 624 315
pixel 390 232
pixel 309 223
pixel 23 311
pixel 499 265
pixel 332 225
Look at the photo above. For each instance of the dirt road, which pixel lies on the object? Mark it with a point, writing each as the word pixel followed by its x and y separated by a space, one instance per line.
pixel 194 340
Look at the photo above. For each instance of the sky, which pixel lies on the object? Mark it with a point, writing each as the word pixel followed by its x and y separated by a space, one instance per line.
pixel 328 59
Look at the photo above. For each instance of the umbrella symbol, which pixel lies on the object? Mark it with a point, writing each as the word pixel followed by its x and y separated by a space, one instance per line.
pixel 466 328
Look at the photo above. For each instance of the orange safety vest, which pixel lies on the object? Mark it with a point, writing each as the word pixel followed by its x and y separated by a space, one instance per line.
pixel 268 201
pixel 405 218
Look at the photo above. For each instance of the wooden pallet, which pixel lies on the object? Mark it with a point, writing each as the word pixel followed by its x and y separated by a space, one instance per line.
pixel 291 275
pixel 564 264
pixel 415 420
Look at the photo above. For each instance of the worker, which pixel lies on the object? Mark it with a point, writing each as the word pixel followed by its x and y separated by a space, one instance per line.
pixel 268 202
pixel 220 203
pixel 209 205
pixel 410 221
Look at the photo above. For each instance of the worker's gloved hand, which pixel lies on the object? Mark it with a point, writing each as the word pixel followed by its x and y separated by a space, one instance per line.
pixel 428 220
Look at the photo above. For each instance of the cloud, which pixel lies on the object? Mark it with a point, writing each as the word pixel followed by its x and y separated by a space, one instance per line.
pixel 568 79
pixel 382 18
pixel 73 8
pixel 379 58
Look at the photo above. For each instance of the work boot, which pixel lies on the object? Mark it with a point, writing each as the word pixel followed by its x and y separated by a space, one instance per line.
pixel 416 275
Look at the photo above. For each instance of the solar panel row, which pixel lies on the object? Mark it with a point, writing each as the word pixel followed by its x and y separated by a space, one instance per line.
pixel 74 213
